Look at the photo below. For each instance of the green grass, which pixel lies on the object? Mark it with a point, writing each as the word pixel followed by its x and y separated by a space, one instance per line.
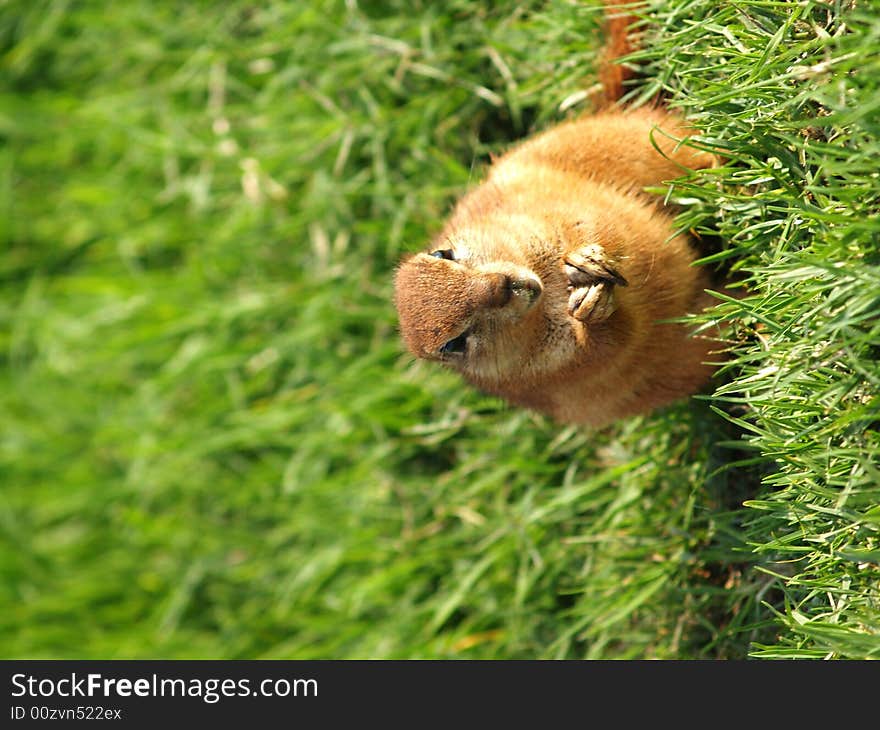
pixel 212 442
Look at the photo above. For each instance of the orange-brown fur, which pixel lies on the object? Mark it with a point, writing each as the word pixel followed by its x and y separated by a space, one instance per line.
pixel 618 33
pixel 560 270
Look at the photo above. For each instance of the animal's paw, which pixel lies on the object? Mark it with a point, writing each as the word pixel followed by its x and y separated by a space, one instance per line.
pixel 591 281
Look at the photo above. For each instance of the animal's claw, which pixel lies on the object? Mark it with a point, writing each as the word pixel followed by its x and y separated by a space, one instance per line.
pixel 592 278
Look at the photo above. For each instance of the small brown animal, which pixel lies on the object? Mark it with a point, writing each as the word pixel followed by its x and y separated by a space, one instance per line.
pixel 551 282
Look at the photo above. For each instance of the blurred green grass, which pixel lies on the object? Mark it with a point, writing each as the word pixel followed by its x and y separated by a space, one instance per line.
pixel 213 444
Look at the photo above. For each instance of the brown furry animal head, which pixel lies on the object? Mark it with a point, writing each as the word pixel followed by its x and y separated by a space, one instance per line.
pixel 475 316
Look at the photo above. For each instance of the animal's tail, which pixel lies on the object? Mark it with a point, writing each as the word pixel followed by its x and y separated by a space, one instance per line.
pixel 620 17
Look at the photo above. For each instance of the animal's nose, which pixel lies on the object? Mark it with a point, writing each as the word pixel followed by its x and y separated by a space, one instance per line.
pixel 530 288
pixel 498 289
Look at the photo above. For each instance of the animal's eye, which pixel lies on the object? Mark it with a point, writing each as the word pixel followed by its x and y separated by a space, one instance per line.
pixel 455 346
pixel 444 253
